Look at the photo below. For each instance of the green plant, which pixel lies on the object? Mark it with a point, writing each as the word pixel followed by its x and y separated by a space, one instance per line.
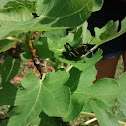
pixel 59 96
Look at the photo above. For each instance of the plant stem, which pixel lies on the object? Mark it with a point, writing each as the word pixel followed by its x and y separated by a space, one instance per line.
pixel 37 38
pixel 40 64
pixel 88 114
pixel 93 115
pixel 122 123
pixel 89 121
pixel 29 36
pixel 68 68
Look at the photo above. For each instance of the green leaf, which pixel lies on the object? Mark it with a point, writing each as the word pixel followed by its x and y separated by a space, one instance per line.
pixel 104 118
pixel 42 50
pixel 14 15
pixel 50 96
pixel 48 19
pixel 58 46
pixel 17 4
pixel 120 116
pixel 109 31
pixel 65 12
pixel 52 42
pixel 9 69
pixel 6 44
pixel 78 81
pixel 123 27
pixel 3 3
pixel 102 90
pixel 48 121
pixel 73 81
pixel 79 63
pixel 88 38
pixel 56 43
pixel 97 5
pixel 78 37
pixel 74 110
pixel 121 80
pixel 15 11
pixel 8 90
pixel 55 35
pixel 122 97
pixel 10 28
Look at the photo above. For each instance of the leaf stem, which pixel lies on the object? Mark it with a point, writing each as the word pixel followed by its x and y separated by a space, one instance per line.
pixel 91 50
pixel 122 123
pixel 93 115
pixel 88 114
pixel 29 36
pixel 68 68
pixel 37 38
pixel 89 121
pixel 14 39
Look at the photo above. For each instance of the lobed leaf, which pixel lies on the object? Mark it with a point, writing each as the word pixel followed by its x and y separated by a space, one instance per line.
pixel 122 97
pixel 109 32
pixel 9 69
pixel 102 91
pixel 3 3
pixel 42 49
pixel 49 18
pixel 65 12
pixel 48 121
pixel 56 43
pixel 97 5
pixel 78 81
pixel 10 28
pixel 50 96
pixel 80 64
pixel 104 118
pixel 18 10
pixel 6 44
pixel 17 4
